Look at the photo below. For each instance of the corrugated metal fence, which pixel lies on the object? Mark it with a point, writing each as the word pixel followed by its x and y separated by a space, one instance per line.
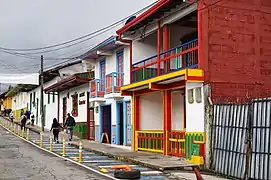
pixel 242 139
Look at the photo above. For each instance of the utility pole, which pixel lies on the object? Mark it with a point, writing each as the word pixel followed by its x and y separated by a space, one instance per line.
pixel 41 94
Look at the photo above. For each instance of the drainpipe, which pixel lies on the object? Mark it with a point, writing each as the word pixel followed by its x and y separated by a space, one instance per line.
pixel 130 42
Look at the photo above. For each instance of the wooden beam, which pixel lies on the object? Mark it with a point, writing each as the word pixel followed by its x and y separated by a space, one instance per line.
pixel 154 86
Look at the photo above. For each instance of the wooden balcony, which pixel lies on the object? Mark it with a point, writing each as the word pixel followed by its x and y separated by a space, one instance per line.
pixel 97 89
pixel 114 81
pixel 180 57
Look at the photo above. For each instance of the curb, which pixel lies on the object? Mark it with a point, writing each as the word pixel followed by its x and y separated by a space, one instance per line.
pixel 123 158
pixel 59 156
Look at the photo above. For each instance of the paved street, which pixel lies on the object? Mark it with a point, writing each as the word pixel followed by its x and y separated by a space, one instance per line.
pixel 20 160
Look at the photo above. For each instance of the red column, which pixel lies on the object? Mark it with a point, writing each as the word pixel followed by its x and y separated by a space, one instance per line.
pixel 158 46
pixel 166 46
pixel 200 55
pixel 167 104
pixel 136 114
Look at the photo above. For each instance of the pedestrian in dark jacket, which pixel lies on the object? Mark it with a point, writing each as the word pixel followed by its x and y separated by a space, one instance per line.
pixel 56 128
pixel 23 122
pixel 70 123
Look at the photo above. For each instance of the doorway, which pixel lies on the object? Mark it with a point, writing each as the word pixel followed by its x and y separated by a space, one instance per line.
pixel 120 122
pixel 91 124
pixel 106 121
pixel 64 109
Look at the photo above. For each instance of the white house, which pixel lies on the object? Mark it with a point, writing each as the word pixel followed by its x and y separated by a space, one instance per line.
pixel 112 111
pixel 72 90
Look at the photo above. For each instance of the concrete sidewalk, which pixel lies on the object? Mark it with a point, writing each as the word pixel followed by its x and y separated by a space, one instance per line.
pixel 151 160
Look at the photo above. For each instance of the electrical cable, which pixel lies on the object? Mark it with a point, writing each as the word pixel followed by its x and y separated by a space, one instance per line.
pixel 82 37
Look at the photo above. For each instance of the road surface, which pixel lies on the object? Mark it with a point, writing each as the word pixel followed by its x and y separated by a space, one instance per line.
pixel 22 161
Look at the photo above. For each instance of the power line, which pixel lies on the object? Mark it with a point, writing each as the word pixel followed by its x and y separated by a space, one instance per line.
pixel 82 37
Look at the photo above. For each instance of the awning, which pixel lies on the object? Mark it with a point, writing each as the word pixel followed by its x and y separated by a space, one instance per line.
pixel 105 46
pixel 70 82
pixel 155 12
pixel 20 88
pixel 168 81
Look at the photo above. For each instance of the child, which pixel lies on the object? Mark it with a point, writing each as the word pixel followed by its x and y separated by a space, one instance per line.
pixel 55 127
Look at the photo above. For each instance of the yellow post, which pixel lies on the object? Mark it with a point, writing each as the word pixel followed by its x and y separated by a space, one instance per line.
pixel 14 128
pixel 80 153
pixel 136 141
pixel 23 132
pixel 64 148
pixel 27 134
pixel 166 143
pixel 51 143
pixel 18 130
pixel 41 140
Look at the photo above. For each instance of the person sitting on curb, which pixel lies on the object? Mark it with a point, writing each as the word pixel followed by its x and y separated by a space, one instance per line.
pixel 70 123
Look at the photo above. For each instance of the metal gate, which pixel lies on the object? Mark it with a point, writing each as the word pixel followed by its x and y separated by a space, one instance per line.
pixel 242 139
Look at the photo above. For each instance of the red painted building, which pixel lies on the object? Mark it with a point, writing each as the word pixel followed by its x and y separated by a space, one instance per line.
pixel 221 44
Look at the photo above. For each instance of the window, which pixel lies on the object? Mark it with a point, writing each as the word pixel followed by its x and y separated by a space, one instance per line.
pixel 75 105
pixel 53 97
pixel 198 95
pixel 48 98
pixel 190 96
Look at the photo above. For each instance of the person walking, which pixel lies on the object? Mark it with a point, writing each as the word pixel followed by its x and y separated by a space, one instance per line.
pixel 23 122
pixel 32 117
pixel 11 117
pixel 70 123
pixel 56 128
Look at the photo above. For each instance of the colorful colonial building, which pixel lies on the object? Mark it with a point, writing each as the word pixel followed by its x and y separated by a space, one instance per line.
pixel 112 111
pixel 186 55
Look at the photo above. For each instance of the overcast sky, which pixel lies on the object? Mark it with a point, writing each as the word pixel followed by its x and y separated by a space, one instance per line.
pixel 39 23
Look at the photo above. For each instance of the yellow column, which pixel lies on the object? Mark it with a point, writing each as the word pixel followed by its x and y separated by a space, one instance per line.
pixel 18 130
pixel 23 132
pixel 64 148
pixel 51 143
pixel 41 140
pixel 80 153
pixel 27 134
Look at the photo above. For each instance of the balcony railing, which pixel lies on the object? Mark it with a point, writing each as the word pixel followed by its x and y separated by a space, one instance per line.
pixel 97 88
pixel 180 57
pixel 114 81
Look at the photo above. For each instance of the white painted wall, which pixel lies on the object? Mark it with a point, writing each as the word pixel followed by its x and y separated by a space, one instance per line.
pixel 82 109
pixel 111 66
pixel 70 70
pixel 51 108
pixel 144 48
pixel 177 111
pixel 19 101
pixel 151 108
pixel 194 111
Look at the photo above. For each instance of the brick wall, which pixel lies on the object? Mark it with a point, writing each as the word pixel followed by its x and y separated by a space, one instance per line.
pixel 236 47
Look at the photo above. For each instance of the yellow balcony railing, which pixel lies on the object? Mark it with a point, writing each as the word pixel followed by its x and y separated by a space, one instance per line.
pixel 151 141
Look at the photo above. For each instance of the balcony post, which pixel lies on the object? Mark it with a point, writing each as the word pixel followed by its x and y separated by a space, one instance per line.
pixel 200 55
pixel 167 105
pixel 135 119
pixel 158 47
pixel 166 46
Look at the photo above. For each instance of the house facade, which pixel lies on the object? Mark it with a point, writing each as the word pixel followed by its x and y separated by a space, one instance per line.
pixel 72 90
pixel 112 111
pixel 183 58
